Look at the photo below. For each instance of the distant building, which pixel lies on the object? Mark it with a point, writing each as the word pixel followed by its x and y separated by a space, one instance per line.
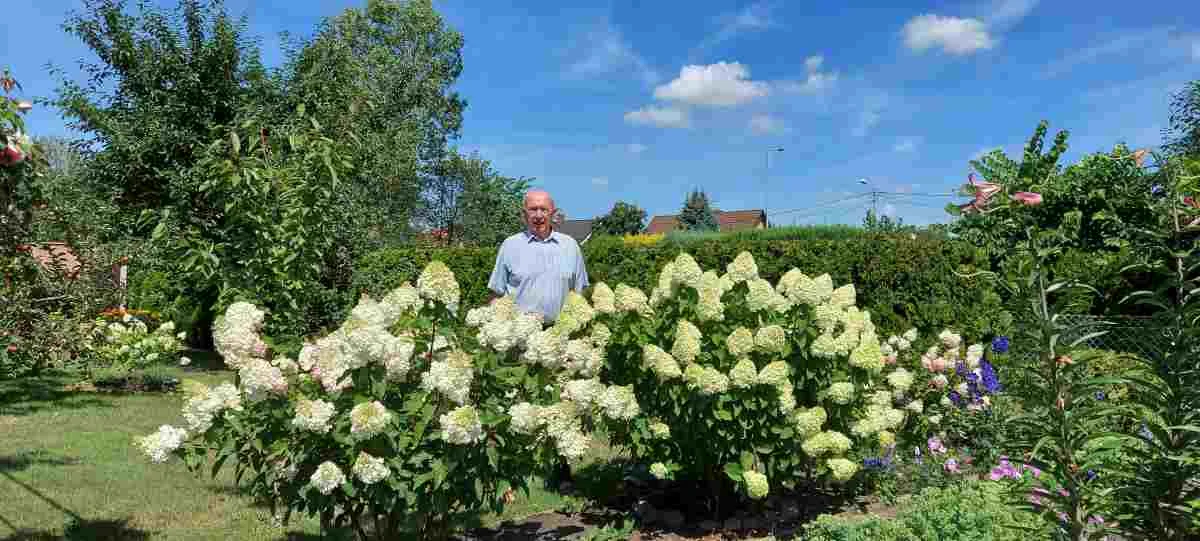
pixel 732 220
pixel 580 230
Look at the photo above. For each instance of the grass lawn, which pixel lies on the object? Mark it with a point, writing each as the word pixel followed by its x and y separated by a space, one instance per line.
pixel 68 462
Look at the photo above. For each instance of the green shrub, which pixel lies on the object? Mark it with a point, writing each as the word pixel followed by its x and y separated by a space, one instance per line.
pixel 904 281
pixel 968 511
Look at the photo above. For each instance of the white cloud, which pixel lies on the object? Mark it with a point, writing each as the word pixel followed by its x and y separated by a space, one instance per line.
pixel 723 84
pixel 1008 12
pixel 954 35
pixel 604 51
pixel 754 18
pixel 765 125
pixel 815 81
pixel 1159 44
pixel 636 148
pixel 869 114
pixel 600 182
pixel 662 117
pixel 906 144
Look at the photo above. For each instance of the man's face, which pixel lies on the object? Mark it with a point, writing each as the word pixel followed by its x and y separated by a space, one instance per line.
pixel 539 210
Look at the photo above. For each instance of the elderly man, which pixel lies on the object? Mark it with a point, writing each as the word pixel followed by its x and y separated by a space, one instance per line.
pixel 539 266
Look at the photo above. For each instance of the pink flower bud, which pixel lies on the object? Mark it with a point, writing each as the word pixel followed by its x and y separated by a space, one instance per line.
pixel 11 155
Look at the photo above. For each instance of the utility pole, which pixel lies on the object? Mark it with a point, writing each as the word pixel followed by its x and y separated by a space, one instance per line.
pixel 766 172
pixel 874 197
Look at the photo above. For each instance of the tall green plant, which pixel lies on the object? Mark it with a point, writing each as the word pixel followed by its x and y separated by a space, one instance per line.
pixel 1159 494
pixel 1064 432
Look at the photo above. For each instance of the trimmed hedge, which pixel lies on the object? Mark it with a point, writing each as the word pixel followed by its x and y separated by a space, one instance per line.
pixel 904 281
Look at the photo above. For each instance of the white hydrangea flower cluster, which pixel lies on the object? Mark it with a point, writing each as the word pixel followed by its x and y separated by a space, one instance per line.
pixel 706 379
pixel 585 356
pixel 631 299
pixel 841 392
pixel 757 486
pixel 260 379
pixel 451 376
pixel 576 313
pixel 159 445
pixel 660 430
pixel 368 419
pixel 878 418
pixel 742 269
pixel 709 305
pixel 740 342
pixel 900 379
pixel 841 468
pixel 826 443
pixel 203 406
pixel 770 339
pixel 810 421
pixel 660 362
pixel 370 469
pixel 327 478
pixel 437 283
pixel 235 334
pixel 603 299
pixel 744 374
pixel 461 426
pixel 659 470
pixel 502 326
pixel 801 289
pixel 775 374
pixel 314 415
pixel 687 342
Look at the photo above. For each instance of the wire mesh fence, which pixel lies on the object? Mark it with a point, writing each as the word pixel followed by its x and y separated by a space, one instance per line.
pixel 1140 336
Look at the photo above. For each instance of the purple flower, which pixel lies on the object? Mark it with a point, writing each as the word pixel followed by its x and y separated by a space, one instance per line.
pixel 951 466
pixel 1000 344
pixel 961 369
pixel 1145 433
pixel 936 445
pixel 1092 475
pixel 991 383
pixel 1100 395
pixel 955 398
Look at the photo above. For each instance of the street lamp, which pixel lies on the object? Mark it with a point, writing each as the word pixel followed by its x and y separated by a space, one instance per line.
pixel 766 173
pixel 874 196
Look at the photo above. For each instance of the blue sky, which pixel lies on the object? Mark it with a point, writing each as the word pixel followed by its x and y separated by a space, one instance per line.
pixel 643 101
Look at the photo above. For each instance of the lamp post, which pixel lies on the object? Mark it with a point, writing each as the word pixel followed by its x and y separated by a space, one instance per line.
pixel 766 173
pixel 874 197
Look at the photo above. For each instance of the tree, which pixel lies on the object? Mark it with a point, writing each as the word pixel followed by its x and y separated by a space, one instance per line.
pixel 385 72
pixel 162 83
pixel 1095 207
pixel 696 214
pixel 623 219
pixel 471 202
pixel 1183 135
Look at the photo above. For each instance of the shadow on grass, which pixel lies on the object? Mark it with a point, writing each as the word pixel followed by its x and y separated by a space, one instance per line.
pixel 30 395
pixel 91 530
pixel 25 459
pixel 549 529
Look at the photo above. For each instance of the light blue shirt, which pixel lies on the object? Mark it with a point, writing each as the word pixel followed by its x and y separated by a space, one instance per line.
pixel 539 273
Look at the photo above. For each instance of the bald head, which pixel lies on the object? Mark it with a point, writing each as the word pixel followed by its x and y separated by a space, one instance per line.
pixel 539 212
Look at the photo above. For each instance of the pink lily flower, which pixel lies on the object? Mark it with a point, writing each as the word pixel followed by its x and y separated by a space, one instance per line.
pixel 1028 198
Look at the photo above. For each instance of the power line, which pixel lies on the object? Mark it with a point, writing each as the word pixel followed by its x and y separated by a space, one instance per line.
pixel 822 205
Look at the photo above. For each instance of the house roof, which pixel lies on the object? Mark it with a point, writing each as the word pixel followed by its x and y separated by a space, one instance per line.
pixel 579 230
pixel 54 257
pixel 733 220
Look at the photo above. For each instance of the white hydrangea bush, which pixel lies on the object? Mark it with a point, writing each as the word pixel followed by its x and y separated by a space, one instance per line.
pixel 406 415
pixel 760 384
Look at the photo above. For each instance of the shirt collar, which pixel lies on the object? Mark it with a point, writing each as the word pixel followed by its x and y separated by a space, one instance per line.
pixel 552 237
